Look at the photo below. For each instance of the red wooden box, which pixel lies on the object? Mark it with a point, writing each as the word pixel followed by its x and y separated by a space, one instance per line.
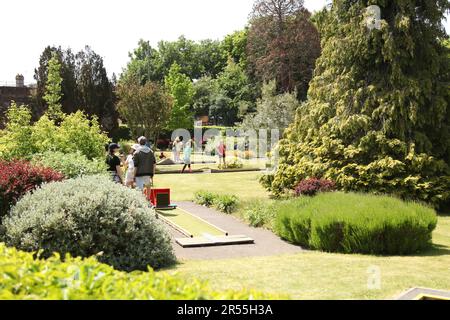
pixel 159 198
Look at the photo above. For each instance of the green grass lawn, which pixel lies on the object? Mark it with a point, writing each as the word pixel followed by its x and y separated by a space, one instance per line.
pixel 245 185
pixel 309 275
pixel 316 275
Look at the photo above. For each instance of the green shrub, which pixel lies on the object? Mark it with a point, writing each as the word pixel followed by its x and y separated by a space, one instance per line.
pixel 226 203
pixel 76 132
pixel 259 214
pixel 89 216
pixel 204 198
pixel 266 181
pixel 26 278
pixel 234 164
pixel 72 165
pixel 356 223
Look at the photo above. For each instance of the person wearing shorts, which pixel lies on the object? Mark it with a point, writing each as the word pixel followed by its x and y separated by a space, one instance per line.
pixel 144 165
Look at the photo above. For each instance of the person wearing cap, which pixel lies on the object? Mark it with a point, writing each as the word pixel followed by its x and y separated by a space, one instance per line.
pixel 129 177
pixel 113 162
pixel 144 165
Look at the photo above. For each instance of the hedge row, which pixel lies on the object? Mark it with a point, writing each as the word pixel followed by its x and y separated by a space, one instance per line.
pixel 356 223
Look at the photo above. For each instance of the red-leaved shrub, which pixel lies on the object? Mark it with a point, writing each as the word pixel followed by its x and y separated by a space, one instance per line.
pixel 310 187
pixel 19 177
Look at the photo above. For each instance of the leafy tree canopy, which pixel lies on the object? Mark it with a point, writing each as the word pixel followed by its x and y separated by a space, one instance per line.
pixel 377 116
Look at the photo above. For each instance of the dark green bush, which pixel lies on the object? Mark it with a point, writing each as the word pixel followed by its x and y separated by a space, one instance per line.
pixel 90 216
pixel 356 223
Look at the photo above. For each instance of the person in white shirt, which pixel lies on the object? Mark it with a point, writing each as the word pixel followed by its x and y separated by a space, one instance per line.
pixel 178 146
pixel 129 178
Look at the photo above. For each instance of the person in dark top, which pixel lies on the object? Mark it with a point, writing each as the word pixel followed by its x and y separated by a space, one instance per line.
pixel 144 165
pixel 113 162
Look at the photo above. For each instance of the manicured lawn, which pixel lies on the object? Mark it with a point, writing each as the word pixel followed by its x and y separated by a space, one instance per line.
pixel 316 275
pixel 245 185
pixel 310 275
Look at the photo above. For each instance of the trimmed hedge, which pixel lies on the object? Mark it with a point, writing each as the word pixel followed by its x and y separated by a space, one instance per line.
pixel 27 278
pixel 90 216
pixel 356 223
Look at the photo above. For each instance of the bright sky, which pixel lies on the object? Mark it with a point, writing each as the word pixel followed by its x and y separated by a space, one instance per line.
pixel 111 27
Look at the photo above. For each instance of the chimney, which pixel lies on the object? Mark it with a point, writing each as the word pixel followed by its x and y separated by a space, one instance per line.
pixel 20 81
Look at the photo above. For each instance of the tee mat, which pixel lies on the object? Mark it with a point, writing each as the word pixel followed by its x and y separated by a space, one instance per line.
pixel 197 231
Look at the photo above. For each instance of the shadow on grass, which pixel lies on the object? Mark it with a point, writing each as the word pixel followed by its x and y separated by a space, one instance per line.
pixel 434 251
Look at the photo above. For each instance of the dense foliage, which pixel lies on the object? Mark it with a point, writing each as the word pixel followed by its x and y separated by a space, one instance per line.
pixel 356 223
pixel 273 111
pixel 72 165
pixel 27 278
pixel 53 92
pixel 377 117
pixel 145 108
pixel 283 44
pixel 74 133
pixel 90 216
pixel 85 85
pixel 181 89
pixel 19 177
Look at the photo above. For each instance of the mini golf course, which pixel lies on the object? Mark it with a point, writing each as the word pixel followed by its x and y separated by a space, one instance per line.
pixel 198 232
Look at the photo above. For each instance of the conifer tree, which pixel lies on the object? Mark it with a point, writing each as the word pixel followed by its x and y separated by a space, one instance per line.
pixel 53 89
pixel 378 112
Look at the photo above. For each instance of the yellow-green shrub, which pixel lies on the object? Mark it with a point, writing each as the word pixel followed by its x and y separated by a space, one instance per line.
pixel 24 277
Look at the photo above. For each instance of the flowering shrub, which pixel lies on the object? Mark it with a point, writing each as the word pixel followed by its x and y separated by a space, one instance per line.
pixel 310 187
pixel 20 177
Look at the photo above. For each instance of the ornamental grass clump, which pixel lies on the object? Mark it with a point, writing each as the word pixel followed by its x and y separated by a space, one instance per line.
pixel 90 216
pixel 356 223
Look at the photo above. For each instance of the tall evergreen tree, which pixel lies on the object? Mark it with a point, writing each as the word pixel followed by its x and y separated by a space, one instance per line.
pixel 53 92
pixel 378 114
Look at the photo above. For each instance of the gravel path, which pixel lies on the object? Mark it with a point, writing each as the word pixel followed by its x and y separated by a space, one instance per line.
pixel 266 243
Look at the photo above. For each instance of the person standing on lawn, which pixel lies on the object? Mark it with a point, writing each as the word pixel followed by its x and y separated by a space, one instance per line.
pixel 129 177
pixel 114 164
pixel 222 152
pixel 187 152
pixel 144 165
pixel 178 144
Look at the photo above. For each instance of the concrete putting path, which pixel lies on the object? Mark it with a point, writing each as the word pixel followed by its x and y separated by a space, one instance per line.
pixel 266 243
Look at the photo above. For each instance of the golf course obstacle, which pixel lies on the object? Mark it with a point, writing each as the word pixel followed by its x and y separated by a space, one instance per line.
pixel 425 294
pixel 159 198
pixel 198 232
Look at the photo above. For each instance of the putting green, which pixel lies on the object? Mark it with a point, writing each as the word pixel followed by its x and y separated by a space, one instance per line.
pixel 196 227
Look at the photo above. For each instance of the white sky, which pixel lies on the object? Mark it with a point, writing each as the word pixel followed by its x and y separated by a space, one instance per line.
pixel 111 27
